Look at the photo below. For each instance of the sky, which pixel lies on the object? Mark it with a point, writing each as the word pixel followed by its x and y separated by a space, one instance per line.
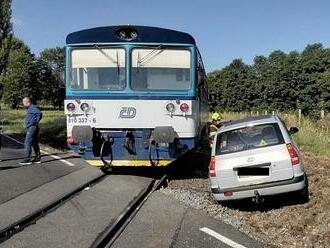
pixel 223 29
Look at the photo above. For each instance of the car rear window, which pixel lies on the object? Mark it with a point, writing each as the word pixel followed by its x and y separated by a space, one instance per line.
pixel 249 137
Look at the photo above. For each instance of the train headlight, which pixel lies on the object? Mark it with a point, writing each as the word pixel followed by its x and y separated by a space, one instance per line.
pixel 184 107
pixel 85 107
pixel 170 107
pixel 127 33
pixel 71 107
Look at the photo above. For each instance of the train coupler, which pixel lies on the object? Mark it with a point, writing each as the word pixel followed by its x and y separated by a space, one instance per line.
pixel 81 149
pixel 106 144
pixel 153 144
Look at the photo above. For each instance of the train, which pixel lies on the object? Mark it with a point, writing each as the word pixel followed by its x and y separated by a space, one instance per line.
pixel 135 95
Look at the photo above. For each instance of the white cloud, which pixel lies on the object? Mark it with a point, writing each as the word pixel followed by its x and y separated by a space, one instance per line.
pixel 17 21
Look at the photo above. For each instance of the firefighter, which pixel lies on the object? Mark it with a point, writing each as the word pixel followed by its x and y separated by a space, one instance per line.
pixel 215 124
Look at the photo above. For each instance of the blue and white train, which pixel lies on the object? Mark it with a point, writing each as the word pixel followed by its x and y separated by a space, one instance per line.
pixel 135 95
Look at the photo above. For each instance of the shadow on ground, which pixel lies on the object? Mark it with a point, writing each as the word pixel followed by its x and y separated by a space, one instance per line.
pixel 269 203
pixel 191 165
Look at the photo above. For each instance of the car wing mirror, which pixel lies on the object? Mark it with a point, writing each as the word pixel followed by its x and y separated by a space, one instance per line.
pixel 293 130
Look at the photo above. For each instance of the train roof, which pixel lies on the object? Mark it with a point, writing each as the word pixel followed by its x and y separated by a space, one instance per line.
pixel 140 34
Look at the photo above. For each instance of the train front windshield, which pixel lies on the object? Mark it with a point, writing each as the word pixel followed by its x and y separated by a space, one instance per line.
pixel 161 69
pixel 98 69
pixel 151 69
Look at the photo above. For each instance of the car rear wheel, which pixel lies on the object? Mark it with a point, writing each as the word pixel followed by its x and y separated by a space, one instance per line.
pixel 304 193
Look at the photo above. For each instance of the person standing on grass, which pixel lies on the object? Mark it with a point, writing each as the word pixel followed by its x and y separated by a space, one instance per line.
pixel 32 119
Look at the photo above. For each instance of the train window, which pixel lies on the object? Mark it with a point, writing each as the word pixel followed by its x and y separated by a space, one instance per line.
pixel 161 69
pixel 98 69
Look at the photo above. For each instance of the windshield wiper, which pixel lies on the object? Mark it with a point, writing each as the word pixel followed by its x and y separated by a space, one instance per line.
pixel 115 61
pixel 118 66
pixel 151 55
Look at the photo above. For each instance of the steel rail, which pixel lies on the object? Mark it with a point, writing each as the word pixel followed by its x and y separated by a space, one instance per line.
pixel 18 226
pixel 113 231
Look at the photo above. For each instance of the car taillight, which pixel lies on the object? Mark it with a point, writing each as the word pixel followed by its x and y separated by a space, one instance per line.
pixel 184 107
pixel 228 193
pixel 293 154
pixel 69 140
pixel 212 167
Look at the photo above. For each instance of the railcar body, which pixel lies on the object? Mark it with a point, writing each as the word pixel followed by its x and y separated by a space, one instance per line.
pixel 134 95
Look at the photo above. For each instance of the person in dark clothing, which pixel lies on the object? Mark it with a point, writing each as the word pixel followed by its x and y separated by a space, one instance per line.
pixel 32 119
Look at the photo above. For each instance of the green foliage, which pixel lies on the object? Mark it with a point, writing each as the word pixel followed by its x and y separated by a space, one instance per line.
pixel 280 81
pixel 19 80
pixel 40 78
pixel 50 66
pixel 5 37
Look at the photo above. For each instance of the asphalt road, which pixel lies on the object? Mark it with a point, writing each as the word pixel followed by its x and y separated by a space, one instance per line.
pixel 25 190
pixel 165 222
pixel 79 221
pixel 16 180
pixel 161 222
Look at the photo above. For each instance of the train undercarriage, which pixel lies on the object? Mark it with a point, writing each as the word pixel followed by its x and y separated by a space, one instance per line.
pixel 130 147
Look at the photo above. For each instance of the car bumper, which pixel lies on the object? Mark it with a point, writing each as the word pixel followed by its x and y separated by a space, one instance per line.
pixel 265 189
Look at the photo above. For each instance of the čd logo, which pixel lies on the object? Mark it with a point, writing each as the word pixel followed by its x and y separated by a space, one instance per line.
pixel 127 112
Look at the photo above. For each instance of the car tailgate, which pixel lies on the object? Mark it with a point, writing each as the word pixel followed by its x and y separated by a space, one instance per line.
pixel 261 165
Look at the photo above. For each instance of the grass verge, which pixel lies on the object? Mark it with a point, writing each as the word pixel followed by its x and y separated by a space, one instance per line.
pixel 52 126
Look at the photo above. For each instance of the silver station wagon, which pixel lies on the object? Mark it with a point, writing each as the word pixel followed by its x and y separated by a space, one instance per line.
pixel 256 157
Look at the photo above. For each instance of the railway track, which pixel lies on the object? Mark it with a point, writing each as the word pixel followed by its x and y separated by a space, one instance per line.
pixel 105 237
pixel 109 236
pixel 33 218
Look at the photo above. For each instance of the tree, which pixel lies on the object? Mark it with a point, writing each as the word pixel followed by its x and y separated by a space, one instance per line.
pixel 45 79
pixel 20 79
pixel 5 37
pixel 315 65
pixel 53 85
pixel 281 81
pixel 324 89
pixel 232 86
